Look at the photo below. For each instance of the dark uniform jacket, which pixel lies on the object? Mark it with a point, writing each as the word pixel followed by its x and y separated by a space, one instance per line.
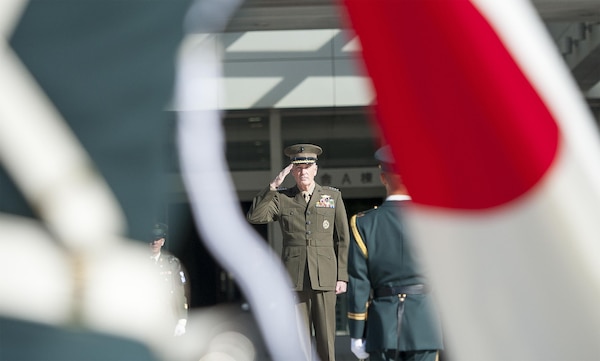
pixel 316 233
pixel 380 255
pixel 172 274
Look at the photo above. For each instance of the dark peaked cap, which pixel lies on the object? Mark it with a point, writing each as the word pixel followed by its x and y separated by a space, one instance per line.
pixel 303 153
pixel 159 231
pixel 386 159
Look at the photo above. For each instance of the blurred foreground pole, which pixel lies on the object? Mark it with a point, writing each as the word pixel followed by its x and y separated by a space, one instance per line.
pixel 217 214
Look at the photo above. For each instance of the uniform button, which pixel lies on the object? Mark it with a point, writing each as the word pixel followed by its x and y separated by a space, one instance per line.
pixel 308 232
pixel 307 213
pixel 307 222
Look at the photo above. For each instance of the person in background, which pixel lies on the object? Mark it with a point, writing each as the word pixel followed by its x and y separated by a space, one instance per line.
pixel 315 231
pixel 171 273
pixel 387 282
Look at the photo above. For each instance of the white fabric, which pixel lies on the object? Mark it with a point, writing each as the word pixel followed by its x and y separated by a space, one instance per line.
pixel 180 327
pixel 212 196
pixel 512 259
pixel 398 197
pixel 358 348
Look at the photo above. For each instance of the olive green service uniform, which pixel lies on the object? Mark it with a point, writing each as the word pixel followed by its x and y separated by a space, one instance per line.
pixel 387 284
pixel 315 249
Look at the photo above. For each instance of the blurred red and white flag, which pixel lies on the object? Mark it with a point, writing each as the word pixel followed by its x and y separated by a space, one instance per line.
pixel 501 157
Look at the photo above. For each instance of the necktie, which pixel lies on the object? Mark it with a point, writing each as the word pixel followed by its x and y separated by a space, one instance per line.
pixel 306 196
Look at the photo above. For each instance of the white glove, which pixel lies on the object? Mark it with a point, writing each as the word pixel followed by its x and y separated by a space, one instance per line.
pixel 358 347
pixel 180 327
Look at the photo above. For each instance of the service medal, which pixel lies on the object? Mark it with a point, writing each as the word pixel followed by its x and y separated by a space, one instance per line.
pixel 326 201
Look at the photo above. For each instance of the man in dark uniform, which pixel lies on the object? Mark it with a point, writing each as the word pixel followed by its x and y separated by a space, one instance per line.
pixel 315 231
pixel 386 280
pixel 172 274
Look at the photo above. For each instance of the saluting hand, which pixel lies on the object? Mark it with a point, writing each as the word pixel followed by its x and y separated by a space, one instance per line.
pixel 281 177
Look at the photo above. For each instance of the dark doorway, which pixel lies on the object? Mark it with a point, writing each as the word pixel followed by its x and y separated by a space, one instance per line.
pixel 210 284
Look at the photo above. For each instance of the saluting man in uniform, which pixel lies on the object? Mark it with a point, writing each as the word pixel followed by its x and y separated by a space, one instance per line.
pixel 315 231
pixel 386 279
pixel 172 274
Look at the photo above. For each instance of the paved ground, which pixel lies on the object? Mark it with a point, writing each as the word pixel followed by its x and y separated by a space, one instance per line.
pixel 232 317
pixel 342 349
pixel 210 322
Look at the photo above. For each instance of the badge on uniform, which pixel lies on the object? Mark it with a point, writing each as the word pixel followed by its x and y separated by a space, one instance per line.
pixel 326 201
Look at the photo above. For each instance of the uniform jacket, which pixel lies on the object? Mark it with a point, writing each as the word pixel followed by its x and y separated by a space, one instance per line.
pixel 380 255
pixel 172 274
pixel 316 233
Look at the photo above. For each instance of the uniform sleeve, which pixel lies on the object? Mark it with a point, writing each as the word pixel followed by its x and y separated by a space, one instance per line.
pixel 265 207
pixel 179 283
pixel 342 240
pixel 359 287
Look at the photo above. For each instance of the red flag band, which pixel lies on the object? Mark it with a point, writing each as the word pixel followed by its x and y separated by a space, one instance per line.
pixel 432 63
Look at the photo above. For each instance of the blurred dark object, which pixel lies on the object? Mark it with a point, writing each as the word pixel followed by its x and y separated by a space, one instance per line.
pixel 108 67
pixel 50 343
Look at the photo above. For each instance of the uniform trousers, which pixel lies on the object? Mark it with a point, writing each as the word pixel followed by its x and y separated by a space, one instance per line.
pixel 390 355
pixel 320 306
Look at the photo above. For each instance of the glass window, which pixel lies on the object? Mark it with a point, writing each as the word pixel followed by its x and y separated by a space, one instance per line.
pixel 346 135
pixel 247 136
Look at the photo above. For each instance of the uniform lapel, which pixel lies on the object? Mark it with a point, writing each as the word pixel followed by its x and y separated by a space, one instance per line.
pixel 313 199
pixel 298 196
pixel 316 195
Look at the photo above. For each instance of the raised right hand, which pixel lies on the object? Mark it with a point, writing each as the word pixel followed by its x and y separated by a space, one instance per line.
pixel 280 177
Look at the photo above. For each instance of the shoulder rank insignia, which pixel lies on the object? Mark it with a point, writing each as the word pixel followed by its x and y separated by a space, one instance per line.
pixel 365 212
pixel 356 235
pixel 331 188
